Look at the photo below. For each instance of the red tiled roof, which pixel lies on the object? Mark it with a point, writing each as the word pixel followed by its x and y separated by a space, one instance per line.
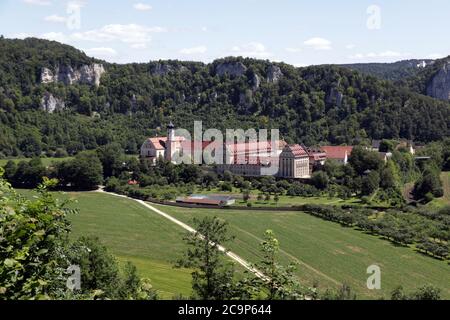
pixel 337 152
pixel 297 150
pixel 191 145
pixel 252 147
pixel 159 142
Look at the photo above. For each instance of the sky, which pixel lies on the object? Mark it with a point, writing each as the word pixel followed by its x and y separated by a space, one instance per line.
pixel 297 32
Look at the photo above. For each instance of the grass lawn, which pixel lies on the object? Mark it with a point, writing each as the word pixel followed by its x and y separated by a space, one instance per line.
pixel 45 161
pixel 327 252
pixel 133 233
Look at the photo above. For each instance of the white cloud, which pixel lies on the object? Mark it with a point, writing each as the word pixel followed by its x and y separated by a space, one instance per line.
pixel 194 50
pixel 55 18
pixel 293 50
pixel 299 65
pixel 139 46
pixel 21 35
pixel 251 49
pixel 435 56
pixel 318 44
pixel 38 2
pixel 350 46
pixel 142 6
pixel 101 52
pixel 76 3
pixel 54 36
pixel 131 33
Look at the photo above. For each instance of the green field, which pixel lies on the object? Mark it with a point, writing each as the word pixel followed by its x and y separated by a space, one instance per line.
pixel 327 252
pixel 45 161
pixel 133 233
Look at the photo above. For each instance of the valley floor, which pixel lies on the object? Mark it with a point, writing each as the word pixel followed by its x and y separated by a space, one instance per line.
pixel 325 252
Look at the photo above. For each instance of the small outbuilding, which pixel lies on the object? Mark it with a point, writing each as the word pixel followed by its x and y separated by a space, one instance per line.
pixel 207 200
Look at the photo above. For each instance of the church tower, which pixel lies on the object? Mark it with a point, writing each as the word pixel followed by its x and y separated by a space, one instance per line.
pixel 171 143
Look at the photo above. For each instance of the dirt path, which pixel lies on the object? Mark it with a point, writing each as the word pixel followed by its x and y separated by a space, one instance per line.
pixel 188 228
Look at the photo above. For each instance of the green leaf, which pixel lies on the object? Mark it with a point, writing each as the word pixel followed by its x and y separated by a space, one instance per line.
pixel 10 263
pixel 39 233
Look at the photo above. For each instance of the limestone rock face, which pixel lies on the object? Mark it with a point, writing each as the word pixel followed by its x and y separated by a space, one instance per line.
pixel 274 74
pixel 51 104
pixel 439 86
pixel 86 74
pixel 47 76
pixel 256 82
pixel 163 69
pixel 233 69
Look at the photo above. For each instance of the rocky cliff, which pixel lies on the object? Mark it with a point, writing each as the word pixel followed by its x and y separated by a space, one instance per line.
pixel 233 69
pixel 274 74
pixel 439 85
pixel 163 69
pixel 51 104
pixel 86 74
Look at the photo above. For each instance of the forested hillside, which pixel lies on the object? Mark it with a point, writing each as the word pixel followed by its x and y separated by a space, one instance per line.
pixel 49 100
pixel 392 71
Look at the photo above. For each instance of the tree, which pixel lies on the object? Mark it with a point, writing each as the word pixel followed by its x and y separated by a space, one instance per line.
pixel 386 146
pixel 426 292
pixel 32 240
pixel 84 172
pixel 276 198
pixel 112 158
pixel 429 183
pixel 10 170
pixel 99 268
pixel 333 168
pixel 246 195
pixel 389 177
pixel 320 180
pixel 343 293
pixel 212 276
pixel 226 186
pixel 26 174
pixel 276 282
pixel 370 183
pixel 362 160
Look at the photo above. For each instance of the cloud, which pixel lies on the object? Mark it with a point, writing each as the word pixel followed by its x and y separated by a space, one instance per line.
pixel 194 50
pixel 294 50
pixel 54 36
pixel 131 33
pixel 55 18
pixel 435 56
pixel 318 43
pixel 38 2
pixel 142 6
pixel 350 46
pixel 21 35
pixel 251 49
pixel 74 4
pixel 101 52
pixel 139 46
